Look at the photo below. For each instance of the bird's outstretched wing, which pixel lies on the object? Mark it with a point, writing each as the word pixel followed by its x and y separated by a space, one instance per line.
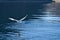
pixel 13 19
pixel 23 18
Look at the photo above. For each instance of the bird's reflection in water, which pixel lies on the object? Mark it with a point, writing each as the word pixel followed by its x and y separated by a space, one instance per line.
pixel 9 32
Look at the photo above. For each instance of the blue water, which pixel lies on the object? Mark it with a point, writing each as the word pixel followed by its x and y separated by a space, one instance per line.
pixel 41 25
pixel 31 30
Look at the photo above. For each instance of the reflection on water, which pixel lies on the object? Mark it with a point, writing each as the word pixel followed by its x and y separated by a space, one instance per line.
pixel 37 27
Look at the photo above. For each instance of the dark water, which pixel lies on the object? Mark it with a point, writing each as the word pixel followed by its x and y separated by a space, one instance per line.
pixel 18 10
pixel 42 22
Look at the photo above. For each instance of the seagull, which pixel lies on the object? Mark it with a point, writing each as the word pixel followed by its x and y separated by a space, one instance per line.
pixel 12 19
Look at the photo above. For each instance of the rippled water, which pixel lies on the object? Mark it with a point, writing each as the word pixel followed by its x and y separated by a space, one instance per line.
pixel 35 27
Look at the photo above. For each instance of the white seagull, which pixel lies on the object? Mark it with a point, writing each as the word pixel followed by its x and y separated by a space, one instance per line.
pixel 18 20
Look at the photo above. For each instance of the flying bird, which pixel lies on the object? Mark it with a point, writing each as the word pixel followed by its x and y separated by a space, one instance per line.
pixel 12 19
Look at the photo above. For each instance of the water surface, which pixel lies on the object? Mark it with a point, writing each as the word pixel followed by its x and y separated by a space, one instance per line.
pixel 40 24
